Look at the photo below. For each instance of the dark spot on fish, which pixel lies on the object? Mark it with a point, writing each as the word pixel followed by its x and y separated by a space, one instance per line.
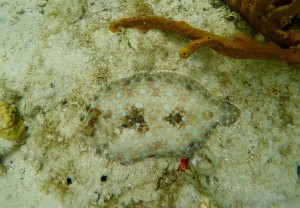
pixel 135 119
pixel 175 117
pixel 189 87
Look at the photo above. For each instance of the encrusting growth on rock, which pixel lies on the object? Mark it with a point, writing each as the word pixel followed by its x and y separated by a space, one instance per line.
pixel 239 47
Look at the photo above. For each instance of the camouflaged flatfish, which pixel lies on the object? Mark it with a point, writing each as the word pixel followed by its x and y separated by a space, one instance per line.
pixel 154 114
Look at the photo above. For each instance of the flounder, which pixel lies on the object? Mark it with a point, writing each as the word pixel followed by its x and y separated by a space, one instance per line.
pixel 154 115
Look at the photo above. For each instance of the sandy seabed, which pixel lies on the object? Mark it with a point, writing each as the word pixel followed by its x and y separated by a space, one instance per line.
pixel 55 54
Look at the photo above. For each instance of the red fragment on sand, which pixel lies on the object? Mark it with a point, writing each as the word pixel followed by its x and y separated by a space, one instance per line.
pixel 184 164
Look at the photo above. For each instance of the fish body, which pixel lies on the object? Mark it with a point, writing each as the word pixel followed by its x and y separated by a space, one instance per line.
pixel 154 115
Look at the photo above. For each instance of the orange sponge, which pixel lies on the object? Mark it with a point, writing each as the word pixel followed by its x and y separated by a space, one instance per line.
pixel 240 47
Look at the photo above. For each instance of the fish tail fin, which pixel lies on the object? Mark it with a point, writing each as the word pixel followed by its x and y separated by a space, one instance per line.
pixel 228 112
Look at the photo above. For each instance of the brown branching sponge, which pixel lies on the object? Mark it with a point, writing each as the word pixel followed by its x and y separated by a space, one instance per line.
pixel 278 20
pixel 239 47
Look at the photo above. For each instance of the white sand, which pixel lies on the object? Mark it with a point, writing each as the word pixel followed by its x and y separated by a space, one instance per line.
pixel 54 56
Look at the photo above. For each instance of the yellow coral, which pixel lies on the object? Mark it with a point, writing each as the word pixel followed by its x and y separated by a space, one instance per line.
pixel 11 124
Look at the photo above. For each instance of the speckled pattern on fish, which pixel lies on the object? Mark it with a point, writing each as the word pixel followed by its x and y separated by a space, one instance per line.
pixel 154 115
